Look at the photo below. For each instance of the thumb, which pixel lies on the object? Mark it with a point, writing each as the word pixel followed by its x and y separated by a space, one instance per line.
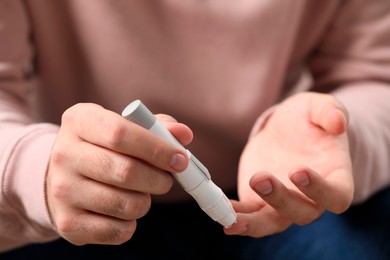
pixel 329 114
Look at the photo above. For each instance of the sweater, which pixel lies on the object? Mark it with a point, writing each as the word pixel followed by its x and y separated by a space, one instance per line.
pixel 216 66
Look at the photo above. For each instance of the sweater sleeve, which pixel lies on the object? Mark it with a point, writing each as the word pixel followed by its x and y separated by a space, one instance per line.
pixel 352 62
pixel 25 144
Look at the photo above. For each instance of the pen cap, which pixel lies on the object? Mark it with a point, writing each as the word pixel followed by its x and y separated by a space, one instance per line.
pixel 137 112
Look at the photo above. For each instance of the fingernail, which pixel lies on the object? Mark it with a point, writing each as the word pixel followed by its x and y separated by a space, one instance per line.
pixel 264 187
pixel 301 179
pixel 178 162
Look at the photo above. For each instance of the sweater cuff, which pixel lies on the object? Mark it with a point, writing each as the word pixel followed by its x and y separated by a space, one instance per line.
pixel 25 186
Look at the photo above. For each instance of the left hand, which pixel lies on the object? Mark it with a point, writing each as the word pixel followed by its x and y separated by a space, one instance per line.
pixel 295 167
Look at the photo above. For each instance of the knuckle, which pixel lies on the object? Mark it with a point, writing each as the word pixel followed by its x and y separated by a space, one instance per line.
pixel 109 234
pixel 163 183
pixel 157 152
pixel 72 113
pixel 120 236
pixel 118 207
pixel 124 170
pixel 99 163
pixel 68 115
pixel 127 172
pixel 58 156
pixel 134 207
pixel 113 233
pixel 59 189
pixel 137 208
pixel 115 134
pixel 111 205
pixel 66 225
pixel 154 180
pixel 108 203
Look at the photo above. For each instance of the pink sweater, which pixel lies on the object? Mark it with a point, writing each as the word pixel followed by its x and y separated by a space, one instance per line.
pixel 214 65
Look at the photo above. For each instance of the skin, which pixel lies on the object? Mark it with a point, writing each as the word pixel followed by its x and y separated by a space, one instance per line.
pixel 295 167
pixel 86 204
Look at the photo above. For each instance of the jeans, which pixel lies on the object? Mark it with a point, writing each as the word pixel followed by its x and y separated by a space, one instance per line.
pixel 183 231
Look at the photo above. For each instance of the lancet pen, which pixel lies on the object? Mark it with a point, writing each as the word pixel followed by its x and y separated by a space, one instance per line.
pixel 196 179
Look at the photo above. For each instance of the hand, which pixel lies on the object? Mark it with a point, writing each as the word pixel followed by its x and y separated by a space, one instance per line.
pixel 102 171
pixel 295 167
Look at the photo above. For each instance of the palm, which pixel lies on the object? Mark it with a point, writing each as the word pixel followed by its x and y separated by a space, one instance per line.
pixel 291 139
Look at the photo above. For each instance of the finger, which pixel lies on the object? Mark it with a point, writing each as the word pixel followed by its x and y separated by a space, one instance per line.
pixel 261 222
pixel 333 193
pixel 86 194
pixel 247 207
pixel 116 169
pixel 180 131
pixel 329 114
pixel 289 203
pixel 88 228
pixel 105 128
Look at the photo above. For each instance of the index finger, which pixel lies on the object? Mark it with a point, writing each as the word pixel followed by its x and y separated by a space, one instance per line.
pixel 108 129
pixel 259 223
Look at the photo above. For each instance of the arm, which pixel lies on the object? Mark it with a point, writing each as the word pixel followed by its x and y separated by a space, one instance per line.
pixel 354 60
pixel 23 214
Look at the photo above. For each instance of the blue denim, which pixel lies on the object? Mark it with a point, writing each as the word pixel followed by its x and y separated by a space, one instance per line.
pixel 184 232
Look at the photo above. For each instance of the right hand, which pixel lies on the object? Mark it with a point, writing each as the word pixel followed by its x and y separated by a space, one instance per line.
pixel 103 169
